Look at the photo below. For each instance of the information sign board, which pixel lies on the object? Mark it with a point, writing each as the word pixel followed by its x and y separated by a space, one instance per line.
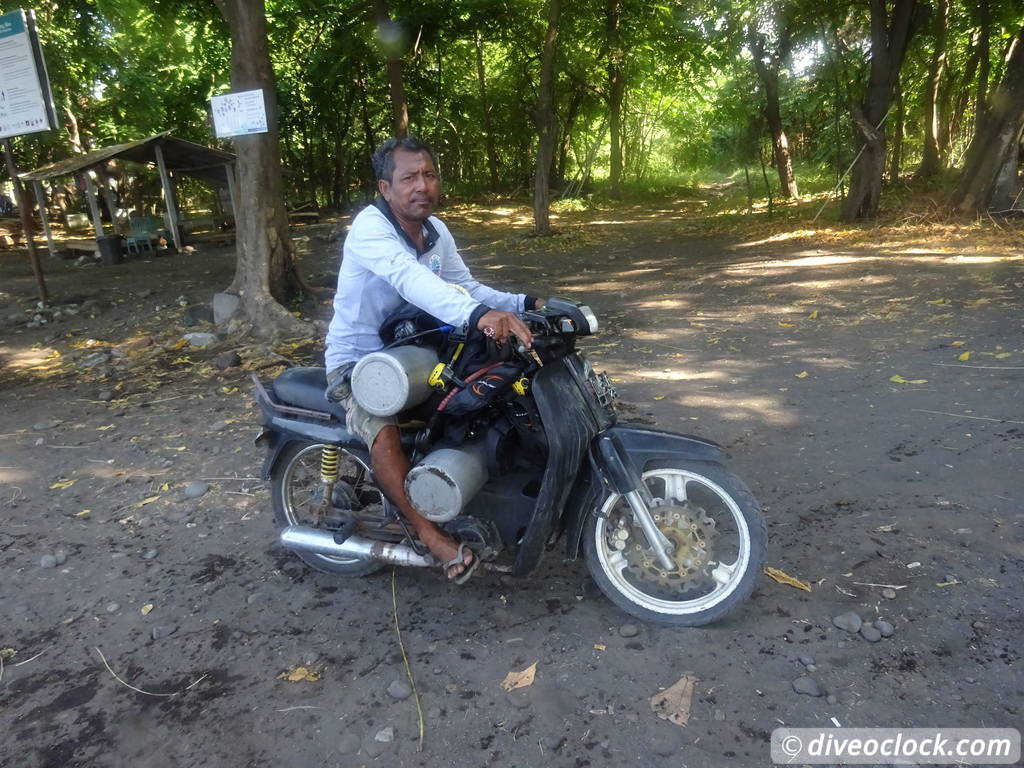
pixel 237 114
pixel 26 103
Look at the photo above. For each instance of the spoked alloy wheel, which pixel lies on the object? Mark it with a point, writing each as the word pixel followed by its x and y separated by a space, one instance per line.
pixel 717 539
pixel 297 495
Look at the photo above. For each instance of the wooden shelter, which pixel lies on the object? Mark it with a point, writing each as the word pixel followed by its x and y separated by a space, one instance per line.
pixel 168 153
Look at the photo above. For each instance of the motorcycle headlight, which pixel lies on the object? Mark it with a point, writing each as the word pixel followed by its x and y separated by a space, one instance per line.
pixel 590 317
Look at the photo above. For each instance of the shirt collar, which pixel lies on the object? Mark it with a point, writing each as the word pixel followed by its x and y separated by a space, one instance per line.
pixel 430 235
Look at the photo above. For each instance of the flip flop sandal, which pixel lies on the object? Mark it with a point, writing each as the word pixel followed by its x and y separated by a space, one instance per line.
pixel 459 559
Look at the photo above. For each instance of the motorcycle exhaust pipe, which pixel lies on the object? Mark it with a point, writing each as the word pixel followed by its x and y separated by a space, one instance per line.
pixel 303 538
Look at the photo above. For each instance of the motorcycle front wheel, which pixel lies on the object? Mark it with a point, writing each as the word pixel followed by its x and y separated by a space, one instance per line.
pixel 717 536
pixel 296 491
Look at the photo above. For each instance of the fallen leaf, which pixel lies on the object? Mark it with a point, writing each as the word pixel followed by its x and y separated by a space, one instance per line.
pixel 7 653
pixel 1003 355
pixel 522 679
pixel 83 513
pixel 146 609
pixel 62 484
pixel 813 315
pixel 964 356
pixel 673 704
pixel 889 528
pixel 104 429
pixel 600 646
pixel 802 375
pixel 180 344
pixel 299 674
pixel 959 343
pixel 165 487
pixel 784 578
pixel 947 583
pixel 897 379
pixel 659 397
pixel 785 325
pixel 938 301
pixel 149 500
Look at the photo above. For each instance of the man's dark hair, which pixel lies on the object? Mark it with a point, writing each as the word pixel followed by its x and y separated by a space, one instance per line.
pixel 384 155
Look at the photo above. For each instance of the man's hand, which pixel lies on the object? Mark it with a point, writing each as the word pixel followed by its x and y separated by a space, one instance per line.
pixel 498 325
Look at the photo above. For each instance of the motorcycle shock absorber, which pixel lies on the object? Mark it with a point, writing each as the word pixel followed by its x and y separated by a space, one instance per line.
pixel 330 458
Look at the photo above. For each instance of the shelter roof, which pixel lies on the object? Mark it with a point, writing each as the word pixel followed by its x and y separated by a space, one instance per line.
pixel 180 156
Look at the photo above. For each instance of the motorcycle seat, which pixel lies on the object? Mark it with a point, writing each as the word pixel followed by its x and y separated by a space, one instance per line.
pixel 303 387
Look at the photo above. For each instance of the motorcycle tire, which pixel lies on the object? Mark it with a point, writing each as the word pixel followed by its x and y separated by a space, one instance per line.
pixel 700 501
pixel 296 474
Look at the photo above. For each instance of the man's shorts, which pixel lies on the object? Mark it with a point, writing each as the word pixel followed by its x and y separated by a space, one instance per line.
pixel 358 420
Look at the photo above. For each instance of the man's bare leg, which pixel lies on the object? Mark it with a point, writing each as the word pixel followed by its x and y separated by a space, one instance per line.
pixel 390 466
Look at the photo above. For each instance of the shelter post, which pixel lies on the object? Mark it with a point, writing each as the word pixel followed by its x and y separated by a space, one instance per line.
pixel 26 222
pixel 94 206
pixel 172 208
pixel 41 199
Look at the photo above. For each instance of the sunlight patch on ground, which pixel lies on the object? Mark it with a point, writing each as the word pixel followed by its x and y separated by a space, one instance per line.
pixel 680 375
pixel 14 475
pixel 15 359
pixel 740 408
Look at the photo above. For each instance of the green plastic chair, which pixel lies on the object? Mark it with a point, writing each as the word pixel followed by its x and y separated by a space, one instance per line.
pixel 143 231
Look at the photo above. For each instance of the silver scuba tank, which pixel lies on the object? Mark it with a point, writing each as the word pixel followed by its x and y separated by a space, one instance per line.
pixel 441 485
pixel 393 380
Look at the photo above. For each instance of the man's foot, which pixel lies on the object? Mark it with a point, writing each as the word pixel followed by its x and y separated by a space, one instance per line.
pixel 446 549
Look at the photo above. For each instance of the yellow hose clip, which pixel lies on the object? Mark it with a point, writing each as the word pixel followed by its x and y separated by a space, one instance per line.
pixel 521 386
pixel 437 376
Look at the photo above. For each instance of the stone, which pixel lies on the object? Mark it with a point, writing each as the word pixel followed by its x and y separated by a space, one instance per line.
pixel 141 343
pixel 196 314
pixel 806 660
pixel 43 426
pixel 812 667
pixel 349 743
pixel 551 743
pixel 112 607
pixel 93 360
pixel 870 634
pixel 976 625
pixel 889 594
pixel 848 621
pixel 665 742
pixel 254 598
pixel 60 556
pixel 385 735
pixel 629 630
pixel 47 561
pixel 434 713
pixel 105 395
pixel 884 628
pixel 201 340
pixel 375 748
pixel 831 699
pixel 518 700
pixel 160 631
pixel 224 306
pixel 195 489
pixel 399 689
pixel 150 554
pixel 226 360
pixel 807 686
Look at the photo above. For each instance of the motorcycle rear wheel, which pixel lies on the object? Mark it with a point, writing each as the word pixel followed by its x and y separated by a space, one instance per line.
pixel 719 539
pixel 294 485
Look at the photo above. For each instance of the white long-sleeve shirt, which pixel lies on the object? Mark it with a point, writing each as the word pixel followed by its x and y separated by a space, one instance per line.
pixel 380 268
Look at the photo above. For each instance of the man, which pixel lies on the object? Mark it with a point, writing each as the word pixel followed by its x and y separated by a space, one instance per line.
pixel 397 251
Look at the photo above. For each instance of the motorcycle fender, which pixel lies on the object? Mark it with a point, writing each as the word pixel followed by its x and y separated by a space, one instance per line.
pixel 617 457
pixel 279 431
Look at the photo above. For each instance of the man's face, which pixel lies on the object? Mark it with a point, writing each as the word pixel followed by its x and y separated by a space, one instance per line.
pixel 415 189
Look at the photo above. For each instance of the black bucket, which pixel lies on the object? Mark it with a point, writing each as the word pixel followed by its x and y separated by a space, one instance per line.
pixel 111 249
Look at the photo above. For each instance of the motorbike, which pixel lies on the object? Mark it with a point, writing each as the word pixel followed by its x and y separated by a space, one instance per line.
pixel 516 457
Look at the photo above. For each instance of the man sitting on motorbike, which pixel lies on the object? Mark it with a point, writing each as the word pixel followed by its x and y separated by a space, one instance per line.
pixel 396 251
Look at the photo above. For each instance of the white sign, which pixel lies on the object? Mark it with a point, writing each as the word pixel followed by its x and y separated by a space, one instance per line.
pixel 25 102
pixel 236 114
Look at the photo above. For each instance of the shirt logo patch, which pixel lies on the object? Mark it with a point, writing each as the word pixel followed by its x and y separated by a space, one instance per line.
pixel 435 264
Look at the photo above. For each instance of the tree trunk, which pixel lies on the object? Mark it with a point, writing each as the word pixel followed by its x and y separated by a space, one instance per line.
pixel 931 162
pixel 266 275
pixel 997 143
pixel 896 157
pixel 768 73
pixel 984 65
pixel 392 50
pixel 545 121
pixel 616 93
pixel 485 109
pixel 889 40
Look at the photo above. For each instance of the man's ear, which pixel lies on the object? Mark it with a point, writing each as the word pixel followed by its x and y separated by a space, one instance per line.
pixel 383 187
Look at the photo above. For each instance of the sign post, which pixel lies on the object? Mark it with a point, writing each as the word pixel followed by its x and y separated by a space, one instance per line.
pixel 26 106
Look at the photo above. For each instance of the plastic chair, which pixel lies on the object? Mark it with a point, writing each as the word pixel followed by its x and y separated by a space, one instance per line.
pixel 143 230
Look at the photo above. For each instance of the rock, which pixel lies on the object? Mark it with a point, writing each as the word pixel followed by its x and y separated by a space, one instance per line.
pixel 60 556
pixel 831 699
pixel 48 561
pixel 226 360
pixel 141 343
pixel 196 314
pixel 106 395
pixel 807 686
pixel 385 735
pixel 870 634
pixel 812 667
pixel 629 630
pixel 889 594
pixel 224 306
pixel 349 743
pixel 91 361
pixel 160 631
pixel 195 489
pixel 43 426
pixel 145 293
pixel 375 748
pixel 551 743
pixel 665 742
pixel 884 628
pixel 434 713
pixel 806 660
pixel 201 340
pixel 974 624
pixel 112 608
pixel 254 598
pixel 150 554
pixel 518 699
pixel 399 689
pixel 849 621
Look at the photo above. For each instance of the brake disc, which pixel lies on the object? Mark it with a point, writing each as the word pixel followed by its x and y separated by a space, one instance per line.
pixel 691 532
